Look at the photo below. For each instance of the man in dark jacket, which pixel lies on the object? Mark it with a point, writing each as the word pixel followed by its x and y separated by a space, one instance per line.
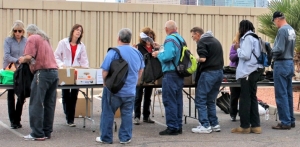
pixel 210 54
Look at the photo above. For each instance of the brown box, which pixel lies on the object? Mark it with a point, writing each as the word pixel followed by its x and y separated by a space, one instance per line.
pixel 188 80
pixel 66 76
pixel 118 113
pixel 81 106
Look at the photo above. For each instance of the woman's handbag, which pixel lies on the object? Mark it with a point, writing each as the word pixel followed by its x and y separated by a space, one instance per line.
pixel 11 67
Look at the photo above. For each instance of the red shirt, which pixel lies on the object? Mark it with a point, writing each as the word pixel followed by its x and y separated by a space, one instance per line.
pixel 73 49
pixel 41 50
pixel 149 49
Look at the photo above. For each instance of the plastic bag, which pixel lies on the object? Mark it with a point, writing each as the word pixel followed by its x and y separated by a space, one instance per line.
pixel 7 77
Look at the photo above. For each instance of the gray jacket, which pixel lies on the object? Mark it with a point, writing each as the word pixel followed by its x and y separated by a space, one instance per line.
pixel 13 50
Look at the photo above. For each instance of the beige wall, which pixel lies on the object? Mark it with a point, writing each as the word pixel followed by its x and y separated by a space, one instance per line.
pixel 102 21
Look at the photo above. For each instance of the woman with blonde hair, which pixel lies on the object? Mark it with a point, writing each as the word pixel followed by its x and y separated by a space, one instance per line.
pixel 234 91
pixel 14 46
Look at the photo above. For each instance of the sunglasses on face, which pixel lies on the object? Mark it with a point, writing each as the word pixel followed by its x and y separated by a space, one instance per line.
pixel 15 31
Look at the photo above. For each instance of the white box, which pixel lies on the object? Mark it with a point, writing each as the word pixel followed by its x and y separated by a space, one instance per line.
pixel 99 76
pixel 85 76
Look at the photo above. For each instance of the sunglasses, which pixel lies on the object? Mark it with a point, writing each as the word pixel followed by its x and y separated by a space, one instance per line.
pixel 20 31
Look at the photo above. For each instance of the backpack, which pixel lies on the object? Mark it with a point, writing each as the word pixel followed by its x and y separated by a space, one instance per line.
pixel 152 70
pixel 265 57
pixel 187 63
pixel 22 81
pixel 223 102
pixel 117 73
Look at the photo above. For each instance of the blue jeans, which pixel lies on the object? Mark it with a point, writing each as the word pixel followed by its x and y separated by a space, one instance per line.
pixel 283 73
pixel 172 86
pixel 42 102
pixel 110 104
pixel 206 93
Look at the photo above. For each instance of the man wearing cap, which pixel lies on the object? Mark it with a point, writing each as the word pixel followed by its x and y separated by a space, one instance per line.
pixel 283 70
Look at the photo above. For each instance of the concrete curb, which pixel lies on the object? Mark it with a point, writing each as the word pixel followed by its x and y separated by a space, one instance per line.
pixel 273 109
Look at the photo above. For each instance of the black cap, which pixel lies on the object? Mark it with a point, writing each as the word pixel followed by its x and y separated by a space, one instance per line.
pixel 277 14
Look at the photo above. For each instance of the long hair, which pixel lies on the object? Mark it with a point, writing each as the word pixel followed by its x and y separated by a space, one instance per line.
pixel 33 29
pixel 245 26
pixel 236 38
pixel 76 26
pixel 148 32
pixel 17 24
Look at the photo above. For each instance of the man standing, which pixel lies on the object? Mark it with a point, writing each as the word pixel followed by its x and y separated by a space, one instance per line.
pixel 172 83
pixel 124 99
pixel 283 70
pixel 39 54
pixel 210 54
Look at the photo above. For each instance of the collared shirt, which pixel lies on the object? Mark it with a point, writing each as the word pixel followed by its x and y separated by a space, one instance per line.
pixel 13 50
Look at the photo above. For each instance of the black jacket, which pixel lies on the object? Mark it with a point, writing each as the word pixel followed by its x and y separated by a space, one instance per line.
pixel 22 81
pixel 153 69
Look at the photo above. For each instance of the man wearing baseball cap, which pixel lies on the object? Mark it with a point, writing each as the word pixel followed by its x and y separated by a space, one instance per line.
pixel 283 70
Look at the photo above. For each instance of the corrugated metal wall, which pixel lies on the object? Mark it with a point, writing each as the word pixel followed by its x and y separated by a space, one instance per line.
pixel 102 21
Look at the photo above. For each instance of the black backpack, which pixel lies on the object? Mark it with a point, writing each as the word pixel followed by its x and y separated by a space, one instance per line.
pixel 117 73
pixel 152 70
pixel 22 81
pixel 223 102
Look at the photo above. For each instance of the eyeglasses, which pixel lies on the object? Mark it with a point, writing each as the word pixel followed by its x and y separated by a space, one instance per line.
pixel 20 31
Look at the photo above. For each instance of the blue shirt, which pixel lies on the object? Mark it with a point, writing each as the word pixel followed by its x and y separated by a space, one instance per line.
pixel 171 52
pixel 247 61
pixel 13 50
pixel 135 63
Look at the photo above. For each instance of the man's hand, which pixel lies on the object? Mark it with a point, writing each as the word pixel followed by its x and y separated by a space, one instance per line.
pixel 21 59
pixel 155 53
pixel 134 45
pixel 156 45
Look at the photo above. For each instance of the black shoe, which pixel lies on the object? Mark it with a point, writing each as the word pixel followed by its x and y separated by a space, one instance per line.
pixel 148 120
pixel 293 125
pixel 15 126
pixel 233 118
pixel 169 132
pixel 179 131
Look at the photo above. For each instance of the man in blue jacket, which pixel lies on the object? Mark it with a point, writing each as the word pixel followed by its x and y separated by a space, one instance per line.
pixel 172 83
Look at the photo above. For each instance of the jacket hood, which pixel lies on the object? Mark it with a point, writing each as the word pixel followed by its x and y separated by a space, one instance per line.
pixel 207 35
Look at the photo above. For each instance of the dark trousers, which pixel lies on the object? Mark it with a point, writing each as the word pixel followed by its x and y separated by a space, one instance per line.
pixel 248 109
pixel 147 101
pixel 69 100
pixel 42 102
pixel 14 110
pixel 235 93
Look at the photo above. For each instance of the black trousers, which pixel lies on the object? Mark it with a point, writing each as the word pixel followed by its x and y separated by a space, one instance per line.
pixel 235 93
pixel 248 109
pixel 14 110
pixel 69 100
pixel 138 100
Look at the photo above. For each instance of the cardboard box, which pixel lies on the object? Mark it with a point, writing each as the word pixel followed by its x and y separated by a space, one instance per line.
pixel 66 76
pixel 81 106
pixel 189 80
pixel 99 76
pixel 118 113
pixel 85 76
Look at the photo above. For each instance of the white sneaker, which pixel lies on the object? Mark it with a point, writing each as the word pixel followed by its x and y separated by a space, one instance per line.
pixel 29 137
pixel 201 129
pixel 125 142
pixel 136 121
pixel 216 128
pixel 98 139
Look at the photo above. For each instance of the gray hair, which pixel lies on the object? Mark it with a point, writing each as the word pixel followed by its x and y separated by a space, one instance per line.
pixel 171 24
pixel 125 35
pixel 17 24
pixel 33 29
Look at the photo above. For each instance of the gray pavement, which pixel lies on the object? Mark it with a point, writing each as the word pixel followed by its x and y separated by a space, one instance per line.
pixel 145 135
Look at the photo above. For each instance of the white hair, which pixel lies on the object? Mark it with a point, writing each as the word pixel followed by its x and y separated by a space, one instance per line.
pixel 17 24
pixel 171 24
pixel 33 29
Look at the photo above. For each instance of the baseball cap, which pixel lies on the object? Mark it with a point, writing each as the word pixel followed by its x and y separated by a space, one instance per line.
pixel 277 14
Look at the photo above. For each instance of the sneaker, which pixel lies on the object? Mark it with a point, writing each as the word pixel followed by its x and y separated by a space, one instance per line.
pixel 216 128
pixel 15 126
pixel 202 129
pixel 98 139
pixel 125 142
pixel 168 132
pixel 136 121
pixel 71 124
pixel 233 118
pixel 29 137
pixel 148 120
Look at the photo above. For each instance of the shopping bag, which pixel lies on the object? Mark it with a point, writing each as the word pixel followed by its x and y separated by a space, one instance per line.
pixel 7 77
pixel 11 67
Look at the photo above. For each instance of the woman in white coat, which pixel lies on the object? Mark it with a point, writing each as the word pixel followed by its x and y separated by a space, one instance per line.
pixel 71 52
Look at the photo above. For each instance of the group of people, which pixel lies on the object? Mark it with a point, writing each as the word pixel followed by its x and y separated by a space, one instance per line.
pixel 210 71
pixel 36 51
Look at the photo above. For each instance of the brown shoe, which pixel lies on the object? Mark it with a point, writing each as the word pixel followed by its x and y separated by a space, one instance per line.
pixel 281 127
pixel 256 130
pixel 241 130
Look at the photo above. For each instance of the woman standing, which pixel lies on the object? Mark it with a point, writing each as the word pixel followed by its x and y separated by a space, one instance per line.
pixel 71 52
pixel 13 49
pixel 235 92
pixel 144 47
pixel 248 73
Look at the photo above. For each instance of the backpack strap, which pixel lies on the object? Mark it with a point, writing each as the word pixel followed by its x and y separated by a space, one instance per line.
pixel 255 36
pixel 181 44
pixel 117 50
